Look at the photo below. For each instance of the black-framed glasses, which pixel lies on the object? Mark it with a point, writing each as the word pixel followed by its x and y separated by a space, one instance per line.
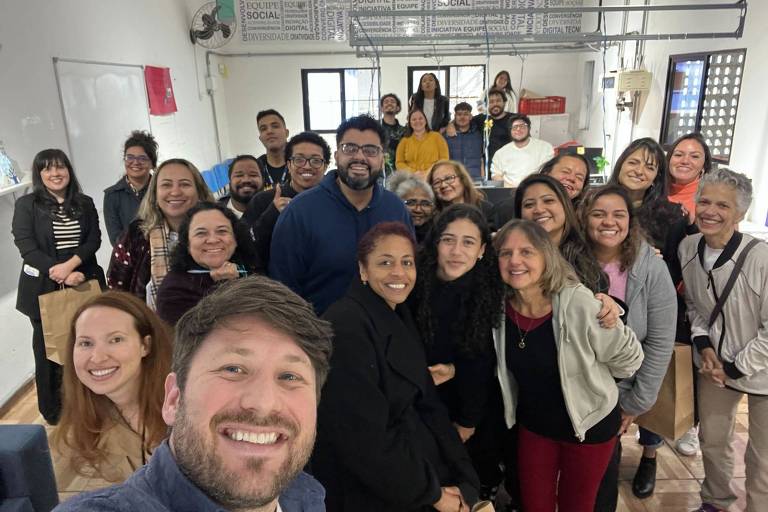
pixel 423 203
pixel 350 148
pixel 448 180
pixel 314 162
pixel 139 159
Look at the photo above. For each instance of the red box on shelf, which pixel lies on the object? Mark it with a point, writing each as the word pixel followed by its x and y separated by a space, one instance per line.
pixel 538 106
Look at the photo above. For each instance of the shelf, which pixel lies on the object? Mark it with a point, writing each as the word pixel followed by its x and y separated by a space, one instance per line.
pixel 15 188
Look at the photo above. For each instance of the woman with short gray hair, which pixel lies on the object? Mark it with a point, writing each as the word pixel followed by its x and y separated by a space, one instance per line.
pixel 418 198
pixel 726 290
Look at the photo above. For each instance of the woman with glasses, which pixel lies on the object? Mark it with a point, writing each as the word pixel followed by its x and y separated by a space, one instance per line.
pixel 452 185
pixel 418 198
pixel 121 200
pixel 421 147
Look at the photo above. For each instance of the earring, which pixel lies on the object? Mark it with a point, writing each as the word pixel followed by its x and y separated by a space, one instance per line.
pixel 365 283
pixel 479 257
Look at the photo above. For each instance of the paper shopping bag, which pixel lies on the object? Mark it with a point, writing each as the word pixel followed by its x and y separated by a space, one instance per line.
pixel 672 415
pixel 57 309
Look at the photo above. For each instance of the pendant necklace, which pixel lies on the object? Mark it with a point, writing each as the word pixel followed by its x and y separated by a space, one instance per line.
pixel 522 334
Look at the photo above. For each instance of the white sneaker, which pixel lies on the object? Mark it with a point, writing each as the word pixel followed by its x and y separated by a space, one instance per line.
pixel 688 444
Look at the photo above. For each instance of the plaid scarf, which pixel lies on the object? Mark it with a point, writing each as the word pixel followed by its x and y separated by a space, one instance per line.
pixel 161 240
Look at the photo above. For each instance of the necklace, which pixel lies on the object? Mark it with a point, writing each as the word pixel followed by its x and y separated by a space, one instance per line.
pixel 522 334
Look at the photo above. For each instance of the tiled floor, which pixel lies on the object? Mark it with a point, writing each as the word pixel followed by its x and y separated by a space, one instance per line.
pixel 677 488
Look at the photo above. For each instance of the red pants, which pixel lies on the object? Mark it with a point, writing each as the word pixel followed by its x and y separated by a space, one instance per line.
pixel 580 468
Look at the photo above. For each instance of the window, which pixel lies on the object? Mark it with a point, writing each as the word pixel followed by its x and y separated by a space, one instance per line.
pixel 703 95
pixel 332 95
pixel 459 83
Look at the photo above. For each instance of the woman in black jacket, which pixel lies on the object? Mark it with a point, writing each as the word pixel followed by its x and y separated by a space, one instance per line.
pixel 429 99
pixel 385 442
pixel 456 305
pixel 56 229
pixel 213 247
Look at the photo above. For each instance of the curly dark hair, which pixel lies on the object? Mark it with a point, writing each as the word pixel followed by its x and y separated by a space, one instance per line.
pixel 631 244
pixel 145 141
pixel 482 304
pixel 245 254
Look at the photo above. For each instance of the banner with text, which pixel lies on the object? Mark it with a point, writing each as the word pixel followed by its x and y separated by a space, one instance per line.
pixel 328 20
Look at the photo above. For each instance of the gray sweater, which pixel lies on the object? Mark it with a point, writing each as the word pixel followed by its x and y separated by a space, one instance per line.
pixel 652 314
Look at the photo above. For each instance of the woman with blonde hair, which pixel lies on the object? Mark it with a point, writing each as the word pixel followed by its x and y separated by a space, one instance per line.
pixel 117 358
pixel 556 367
pixel 141 257
pixel 452 184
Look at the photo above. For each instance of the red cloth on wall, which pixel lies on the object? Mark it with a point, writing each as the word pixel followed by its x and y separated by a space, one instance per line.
pixel 159 90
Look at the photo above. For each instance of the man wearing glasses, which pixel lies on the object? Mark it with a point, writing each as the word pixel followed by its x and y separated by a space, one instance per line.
pixel 307 155
pixel 521 157
pixel 315 240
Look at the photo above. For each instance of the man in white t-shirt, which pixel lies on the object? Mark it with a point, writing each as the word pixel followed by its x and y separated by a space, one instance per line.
pixel 521 157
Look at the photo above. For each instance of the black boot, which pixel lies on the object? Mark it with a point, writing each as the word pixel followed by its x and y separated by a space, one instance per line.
pixel 645 479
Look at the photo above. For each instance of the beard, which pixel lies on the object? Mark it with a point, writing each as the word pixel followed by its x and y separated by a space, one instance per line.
pixel 357 182
pixel 234 490
pixel 235 194
pixel 521 139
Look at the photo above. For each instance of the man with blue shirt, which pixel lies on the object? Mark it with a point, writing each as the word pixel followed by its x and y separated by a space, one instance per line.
pixel 467 145
pixel 314 244
pixel 249 362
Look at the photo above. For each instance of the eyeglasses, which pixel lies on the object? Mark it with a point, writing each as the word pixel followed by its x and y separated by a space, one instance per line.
pixel 521 126
pixel 139 159
pixel 422 203
pixel 350 148
pixel 300 161
pixel 447 180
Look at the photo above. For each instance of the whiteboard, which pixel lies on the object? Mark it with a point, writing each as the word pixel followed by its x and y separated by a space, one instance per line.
pixel 102 103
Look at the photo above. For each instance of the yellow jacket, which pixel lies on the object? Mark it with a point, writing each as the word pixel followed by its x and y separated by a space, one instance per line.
pixel 418 155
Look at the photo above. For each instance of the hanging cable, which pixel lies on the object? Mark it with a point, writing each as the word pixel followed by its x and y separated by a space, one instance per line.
pixel 488 124
pixel 376 61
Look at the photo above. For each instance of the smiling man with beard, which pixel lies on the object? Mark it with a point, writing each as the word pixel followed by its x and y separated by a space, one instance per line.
pixel 315 240
pixel 245 180
pixel 248 365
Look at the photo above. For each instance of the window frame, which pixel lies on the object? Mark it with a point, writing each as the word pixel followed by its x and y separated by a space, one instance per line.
pixel 668 93
pixel 446 87
pixel 342 89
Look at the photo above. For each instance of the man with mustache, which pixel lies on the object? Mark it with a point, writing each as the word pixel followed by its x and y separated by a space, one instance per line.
pixel 315 239
pixel 521 157
pixel 245 180
pixel 248 365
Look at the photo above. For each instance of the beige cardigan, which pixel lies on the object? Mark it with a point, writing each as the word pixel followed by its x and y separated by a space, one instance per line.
pixel 589 357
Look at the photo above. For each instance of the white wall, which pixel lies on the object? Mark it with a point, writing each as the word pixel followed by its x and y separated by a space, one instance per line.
pixel 32 32
pixel 751 132
pixel 256 83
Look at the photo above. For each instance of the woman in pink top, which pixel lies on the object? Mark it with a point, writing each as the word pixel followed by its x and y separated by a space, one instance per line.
pixel 688 159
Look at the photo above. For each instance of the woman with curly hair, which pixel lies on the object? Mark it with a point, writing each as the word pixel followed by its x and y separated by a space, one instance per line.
pixel 455 303
pixel 213 247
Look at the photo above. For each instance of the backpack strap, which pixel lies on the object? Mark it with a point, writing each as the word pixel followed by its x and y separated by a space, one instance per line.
pixel 731 281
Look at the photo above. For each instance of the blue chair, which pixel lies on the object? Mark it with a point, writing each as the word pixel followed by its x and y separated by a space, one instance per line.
pixel 27 482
